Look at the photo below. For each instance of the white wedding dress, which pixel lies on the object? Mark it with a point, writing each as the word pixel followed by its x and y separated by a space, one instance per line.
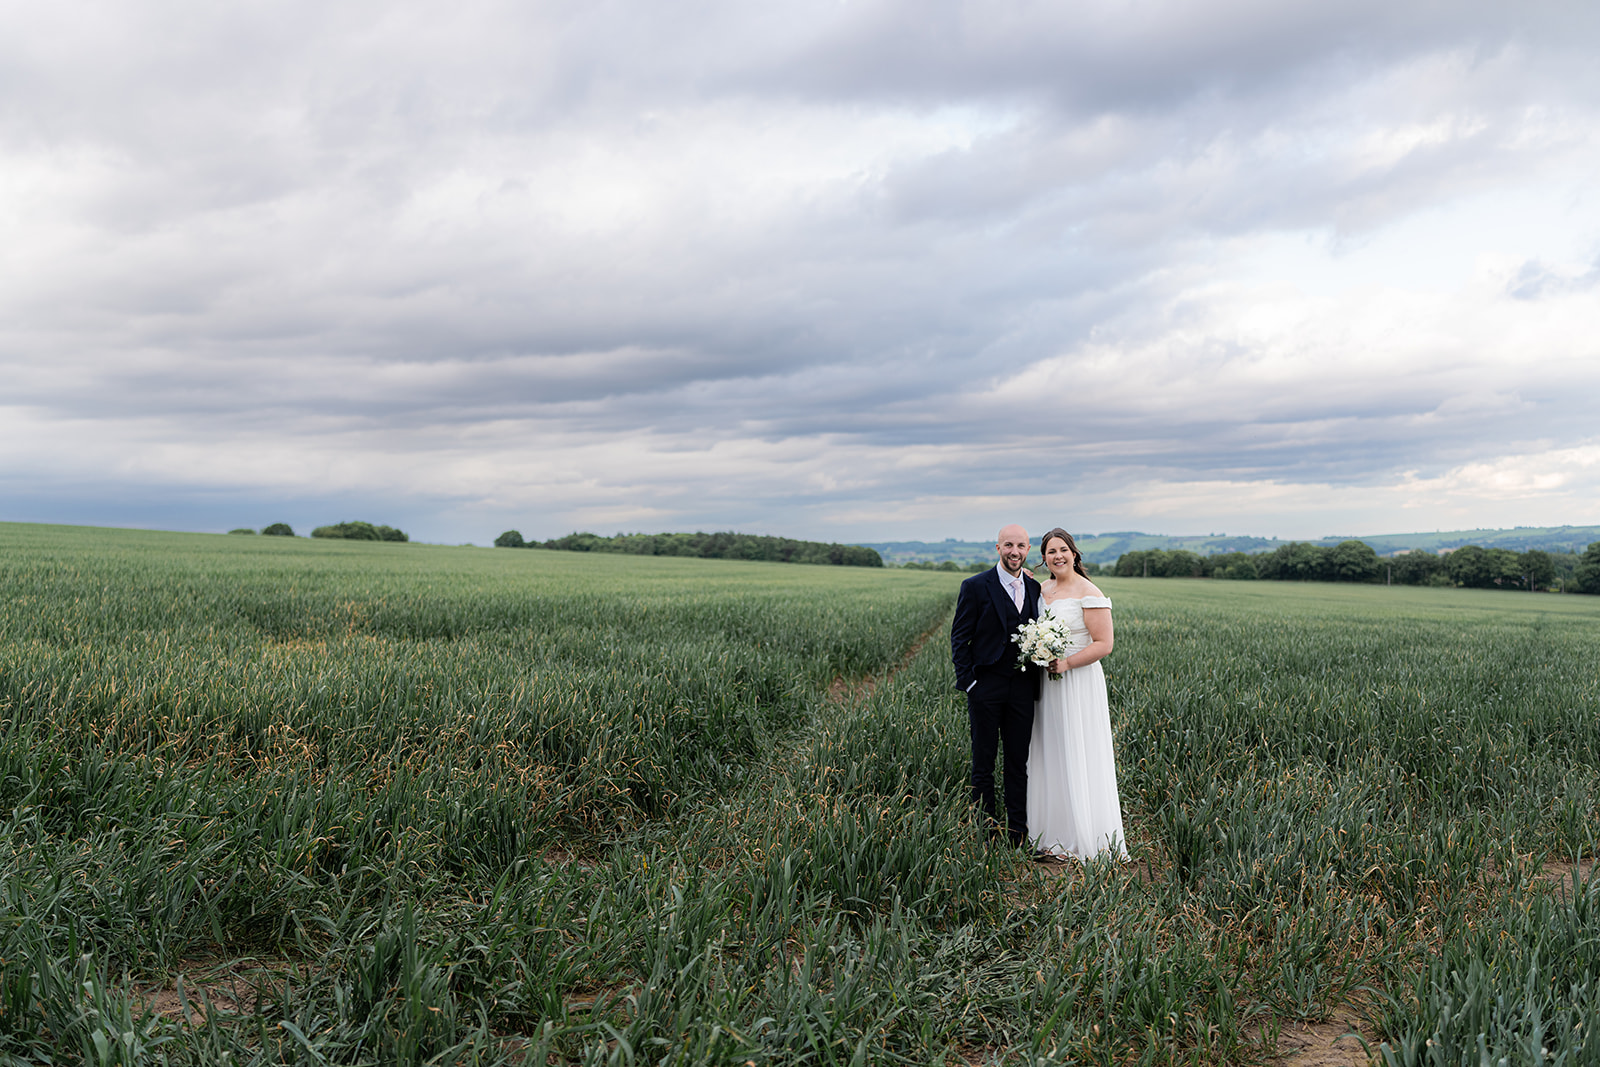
pixel 1073 807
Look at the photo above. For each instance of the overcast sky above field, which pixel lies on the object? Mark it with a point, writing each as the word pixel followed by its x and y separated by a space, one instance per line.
pixel 850 271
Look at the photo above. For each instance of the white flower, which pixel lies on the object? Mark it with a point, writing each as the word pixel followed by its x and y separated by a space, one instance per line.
pixel 1041 641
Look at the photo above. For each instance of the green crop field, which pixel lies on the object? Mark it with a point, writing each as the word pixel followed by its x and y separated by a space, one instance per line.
pixel 270 800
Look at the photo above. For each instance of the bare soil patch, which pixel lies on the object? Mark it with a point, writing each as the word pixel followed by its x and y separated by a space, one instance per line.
pixel 231 987
pixel 1561 873
pixel 1335 1043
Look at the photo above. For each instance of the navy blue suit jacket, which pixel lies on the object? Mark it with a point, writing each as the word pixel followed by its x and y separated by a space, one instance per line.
pixel 980 634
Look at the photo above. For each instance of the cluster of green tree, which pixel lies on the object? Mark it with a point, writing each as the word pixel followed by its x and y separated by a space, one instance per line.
pixel 1181 563
pixel 360 531
pixel 1471 566
pixel 726 545
pixel 1476 567
pixel 1586 570
pixel 277 529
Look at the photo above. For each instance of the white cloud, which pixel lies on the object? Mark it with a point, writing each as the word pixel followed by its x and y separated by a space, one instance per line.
pixel 1569 474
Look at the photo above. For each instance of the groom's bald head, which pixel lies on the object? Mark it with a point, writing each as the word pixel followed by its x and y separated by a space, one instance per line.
pixel 1012 545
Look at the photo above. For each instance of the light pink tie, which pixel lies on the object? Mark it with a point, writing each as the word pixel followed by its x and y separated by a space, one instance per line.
pixel 1016 594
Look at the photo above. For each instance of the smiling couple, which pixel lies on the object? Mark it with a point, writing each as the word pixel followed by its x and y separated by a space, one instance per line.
pixel 1060 770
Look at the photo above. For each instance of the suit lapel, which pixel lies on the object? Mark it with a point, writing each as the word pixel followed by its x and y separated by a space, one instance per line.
pixel 1002 599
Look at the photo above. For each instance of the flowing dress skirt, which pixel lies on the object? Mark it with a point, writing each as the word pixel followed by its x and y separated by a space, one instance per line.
pixel 1073 806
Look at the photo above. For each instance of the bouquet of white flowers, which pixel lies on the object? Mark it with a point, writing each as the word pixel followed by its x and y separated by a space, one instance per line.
pixel 1042 640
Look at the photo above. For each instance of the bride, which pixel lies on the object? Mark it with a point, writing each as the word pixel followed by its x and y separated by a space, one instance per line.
pixel 1073 808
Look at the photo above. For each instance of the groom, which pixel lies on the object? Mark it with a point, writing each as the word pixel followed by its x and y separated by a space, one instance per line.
pixel 1000 698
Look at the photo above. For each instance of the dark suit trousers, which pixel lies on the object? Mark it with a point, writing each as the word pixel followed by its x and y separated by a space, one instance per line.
pixel 1000 710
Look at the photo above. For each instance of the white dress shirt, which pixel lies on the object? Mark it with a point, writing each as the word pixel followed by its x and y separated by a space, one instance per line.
pixel 1014 587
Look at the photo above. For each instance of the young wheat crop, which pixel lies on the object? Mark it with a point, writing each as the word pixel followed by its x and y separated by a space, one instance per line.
pixel 287 801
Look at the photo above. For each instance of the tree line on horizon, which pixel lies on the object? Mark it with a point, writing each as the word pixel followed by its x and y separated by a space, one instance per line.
pixel 1470 566
pixel 701 545
pixel 339 531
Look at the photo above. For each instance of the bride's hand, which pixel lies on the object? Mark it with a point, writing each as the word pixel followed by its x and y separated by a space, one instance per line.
pixel 1059 666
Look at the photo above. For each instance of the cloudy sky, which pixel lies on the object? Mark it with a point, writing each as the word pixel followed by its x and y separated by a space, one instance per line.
pixel 850 270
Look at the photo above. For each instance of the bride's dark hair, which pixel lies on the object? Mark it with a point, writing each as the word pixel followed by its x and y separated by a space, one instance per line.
pixel 1077 557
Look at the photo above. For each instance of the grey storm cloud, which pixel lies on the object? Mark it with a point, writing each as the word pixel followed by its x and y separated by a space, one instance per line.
pixel 775 266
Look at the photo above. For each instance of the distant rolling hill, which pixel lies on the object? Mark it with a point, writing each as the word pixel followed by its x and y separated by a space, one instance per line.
pixel 1106 547
pixel 1518 539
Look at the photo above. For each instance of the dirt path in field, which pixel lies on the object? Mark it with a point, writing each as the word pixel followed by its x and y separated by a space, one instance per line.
pixel 1334 1043
pixel 1327 1044
pixel 840 690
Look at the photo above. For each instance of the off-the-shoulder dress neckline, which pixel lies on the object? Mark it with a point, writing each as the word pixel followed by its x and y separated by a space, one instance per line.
pixel 1091 596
